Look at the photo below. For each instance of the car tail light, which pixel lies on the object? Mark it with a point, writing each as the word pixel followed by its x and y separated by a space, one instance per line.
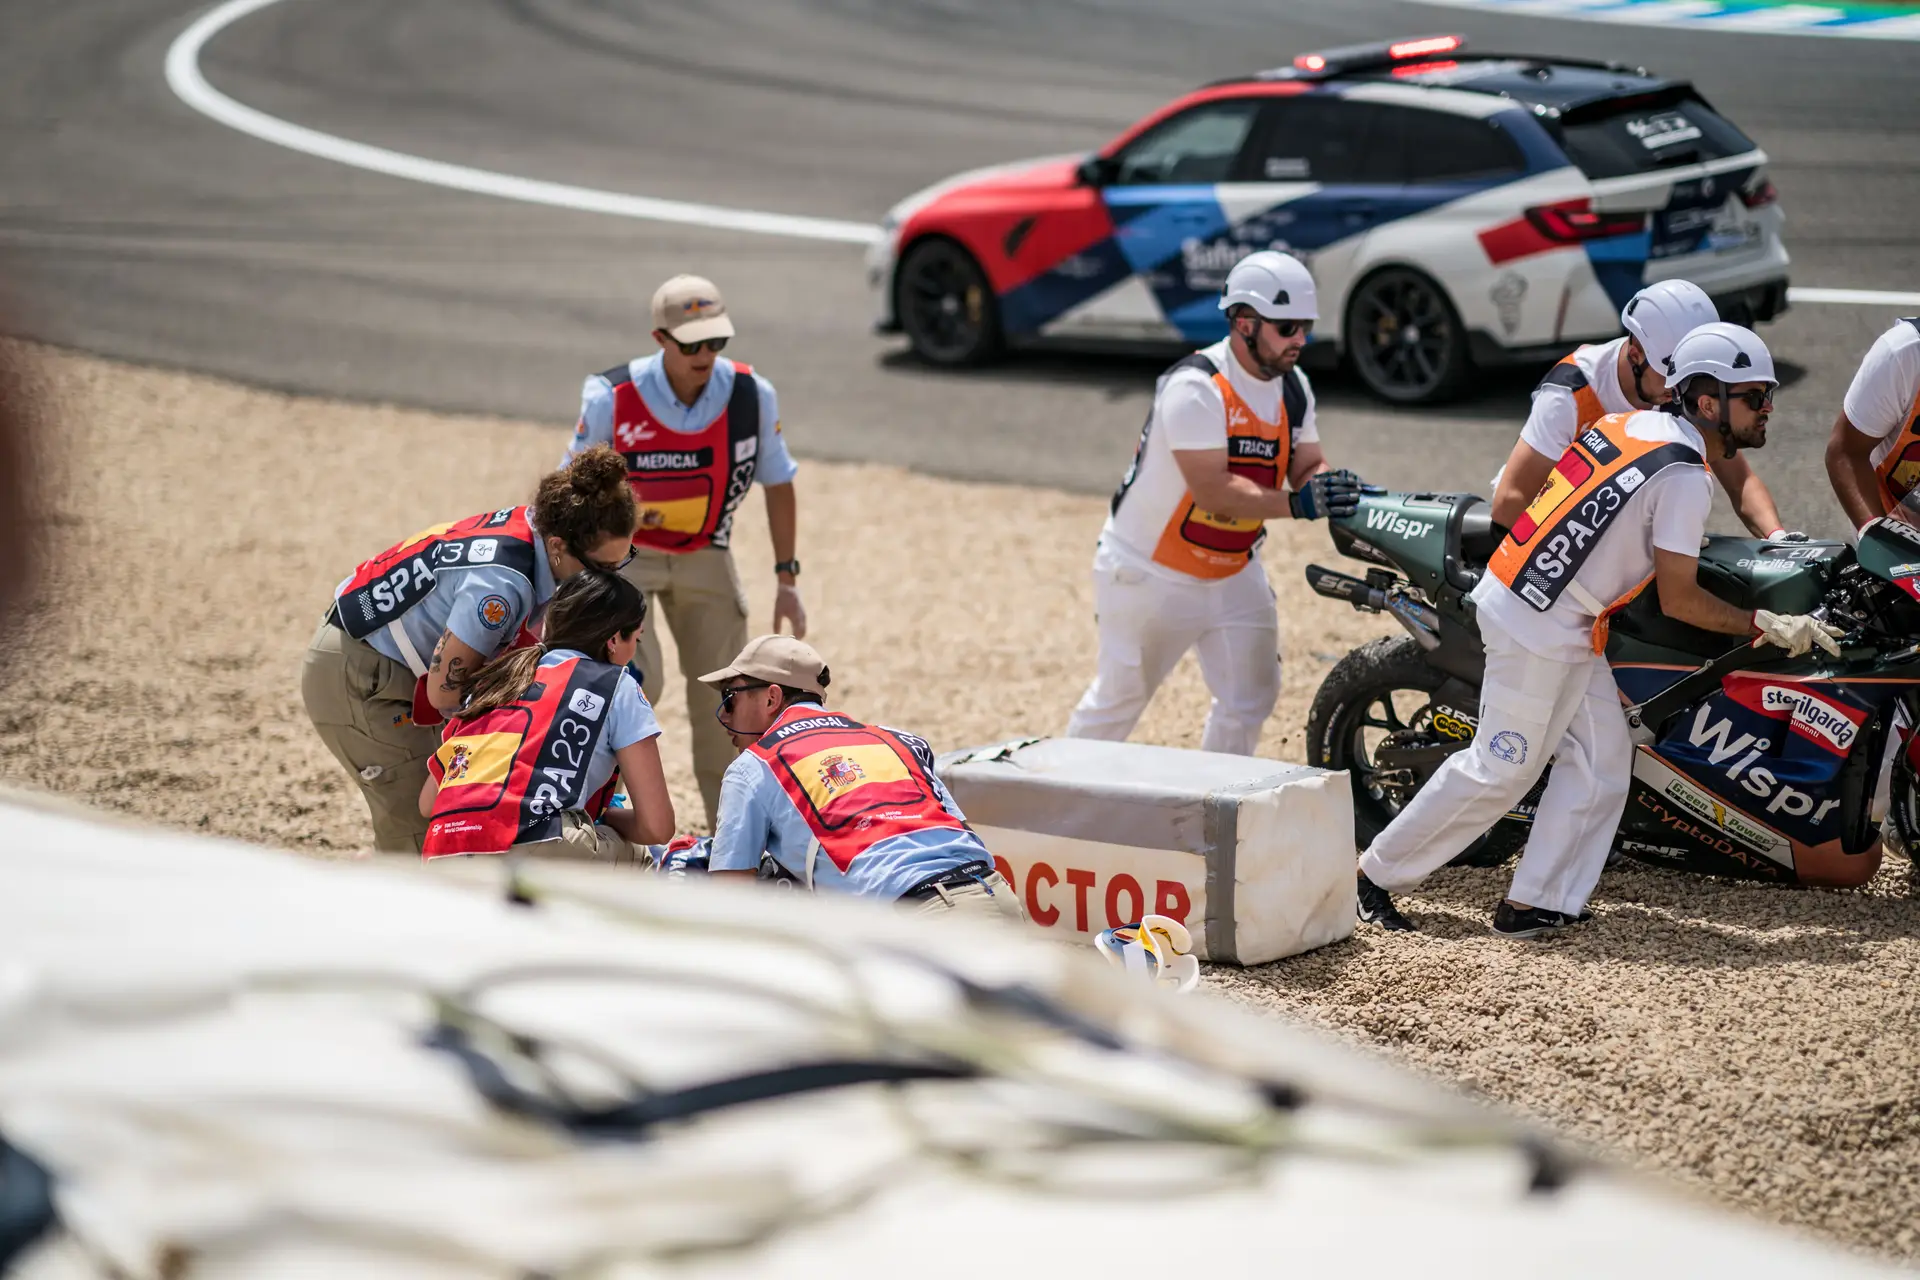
pixel 1572 221
pixel 1310 62
pixel 1423 68
pixel 1423 48
pixel 1764 194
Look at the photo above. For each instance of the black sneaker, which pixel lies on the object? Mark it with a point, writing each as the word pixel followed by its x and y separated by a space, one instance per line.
pixel 1510 921
pixel 1375 906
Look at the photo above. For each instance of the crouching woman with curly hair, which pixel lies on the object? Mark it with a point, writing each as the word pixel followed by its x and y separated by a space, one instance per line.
pixel 409 628
pixel 529 763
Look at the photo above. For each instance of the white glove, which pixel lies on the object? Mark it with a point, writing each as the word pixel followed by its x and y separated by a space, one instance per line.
pixel 1787 535
pixel 788 608
pixel 1795 632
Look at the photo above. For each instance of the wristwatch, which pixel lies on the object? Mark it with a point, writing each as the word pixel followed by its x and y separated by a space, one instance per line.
pixel 788 566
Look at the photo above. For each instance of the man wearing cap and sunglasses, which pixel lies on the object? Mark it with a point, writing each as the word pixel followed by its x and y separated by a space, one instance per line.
pixel 1230 443
pixel 839 805
pixel 697 431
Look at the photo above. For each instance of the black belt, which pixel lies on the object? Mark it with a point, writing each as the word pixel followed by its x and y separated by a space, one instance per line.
pixel 971 873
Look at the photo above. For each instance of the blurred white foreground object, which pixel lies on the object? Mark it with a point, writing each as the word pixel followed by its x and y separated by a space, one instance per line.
pixel 1156 949
pixel 240 1064
pixel 1254 856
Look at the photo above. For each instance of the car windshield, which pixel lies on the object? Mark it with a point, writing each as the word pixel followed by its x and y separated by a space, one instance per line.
pixel 1635 136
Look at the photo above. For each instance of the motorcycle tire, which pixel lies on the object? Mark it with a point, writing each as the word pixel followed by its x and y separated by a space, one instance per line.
pixel 1903 810
pixel 1341 712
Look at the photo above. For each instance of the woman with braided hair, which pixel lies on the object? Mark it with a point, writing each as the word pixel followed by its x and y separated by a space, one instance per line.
pixel 529 763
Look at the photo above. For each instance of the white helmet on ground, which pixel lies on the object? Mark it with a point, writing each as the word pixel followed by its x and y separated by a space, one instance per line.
pixel 1663 313
pixel 1276 285
pixel 1723 351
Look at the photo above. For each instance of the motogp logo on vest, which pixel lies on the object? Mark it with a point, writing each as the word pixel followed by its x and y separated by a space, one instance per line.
pixel 630 435
pixel 837 774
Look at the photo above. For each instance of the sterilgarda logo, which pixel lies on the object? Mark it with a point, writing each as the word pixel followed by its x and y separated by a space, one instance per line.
pixel 1817 716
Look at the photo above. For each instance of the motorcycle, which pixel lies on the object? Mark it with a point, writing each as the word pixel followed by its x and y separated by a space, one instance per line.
pixel 1746 762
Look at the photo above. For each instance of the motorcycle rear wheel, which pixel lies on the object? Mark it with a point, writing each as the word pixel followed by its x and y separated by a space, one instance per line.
pixel 1384 686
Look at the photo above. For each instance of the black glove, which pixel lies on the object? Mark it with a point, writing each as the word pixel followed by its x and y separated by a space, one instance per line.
pixel 1331 493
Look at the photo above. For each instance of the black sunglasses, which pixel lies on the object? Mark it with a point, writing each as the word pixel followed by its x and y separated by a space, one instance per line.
pixel 726 700
pixel 715 345
pixel 1754 400
pixel 591 563
pixel 1285 328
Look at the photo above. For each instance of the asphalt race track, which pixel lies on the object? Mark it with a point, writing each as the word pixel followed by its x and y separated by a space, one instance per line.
pixel 134 227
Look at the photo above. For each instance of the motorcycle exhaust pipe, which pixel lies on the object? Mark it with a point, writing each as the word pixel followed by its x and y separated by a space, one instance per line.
pixel 1420 621
pixel 1339 586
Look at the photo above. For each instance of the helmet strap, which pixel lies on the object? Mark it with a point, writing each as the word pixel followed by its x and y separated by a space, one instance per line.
pixel 1726 422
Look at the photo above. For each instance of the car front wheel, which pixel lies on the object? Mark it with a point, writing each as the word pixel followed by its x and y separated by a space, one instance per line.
pixel 1405 338
pixel 946 306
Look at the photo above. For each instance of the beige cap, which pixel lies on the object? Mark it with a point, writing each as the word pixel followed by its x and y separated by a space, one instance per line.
pixel 691 309
pixel 777 659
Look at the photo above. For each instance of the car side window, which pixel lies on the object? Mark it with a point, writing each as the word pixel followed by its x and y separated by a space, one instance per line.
pixel 1325 139
pixel 1199 145
pixel 1440 147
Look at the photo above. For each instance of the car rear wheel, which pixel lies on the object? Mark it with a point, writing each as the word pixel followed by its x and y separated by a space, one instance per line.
pixel 1405 339
pixel 946 306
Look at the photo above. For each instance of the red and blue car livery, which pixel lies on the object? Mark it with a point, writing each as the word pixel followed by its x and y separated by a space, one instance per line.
pixel 1456 210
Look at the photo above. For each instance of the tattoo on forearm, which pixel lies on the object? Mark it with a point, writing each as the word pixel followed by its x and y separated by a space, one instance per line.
pixel 456 677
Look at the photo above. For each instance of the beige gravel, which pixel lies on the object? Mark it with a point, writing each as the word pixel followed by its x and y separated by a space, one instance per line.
pixel 1761 1044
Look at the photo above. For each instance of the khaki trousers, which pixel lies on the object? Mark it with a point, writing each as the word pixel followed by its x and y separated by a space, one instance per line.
pixel 699 594
pixel 361 704
pixel 583 840
pixel 992 897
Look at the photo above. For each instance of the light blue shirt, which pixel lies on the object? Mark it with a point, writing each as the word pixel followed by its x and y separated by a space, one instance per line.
pixel 483 605
pixel 756 814
pixel 773 464
pixel 630 719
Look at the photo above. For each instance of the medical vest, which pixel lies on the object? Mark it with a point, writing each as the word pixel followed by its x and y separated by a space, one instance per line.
pixel 1899 471
pixel 1204 544
pixel 1590 485
pixel 384 589
pixel 687 485
pixel 854 786
pixel 508 774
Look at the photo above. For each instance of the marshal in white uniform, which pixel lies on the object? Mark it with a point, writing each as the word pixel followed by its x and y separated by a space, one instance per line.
pixel 1546 696
pixel 1167 579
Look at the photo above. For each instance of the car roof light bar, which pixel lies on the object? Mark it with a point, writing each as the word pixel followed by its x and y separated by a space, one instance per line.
pixel 1324 63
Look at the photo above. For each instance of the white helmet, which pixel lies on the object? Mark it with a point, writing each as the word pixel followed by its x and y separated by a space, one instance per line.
pixel 1663 313
pixel 1276 285
pixel 1723 351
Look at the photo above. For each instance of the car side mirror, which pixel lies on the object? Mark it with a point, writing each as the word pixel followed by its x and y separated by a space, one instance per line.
pixel 1096 171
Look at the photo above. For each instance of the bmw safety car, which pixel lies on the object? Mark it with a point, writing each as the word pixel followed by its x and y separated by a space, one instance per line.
pixel 1456 209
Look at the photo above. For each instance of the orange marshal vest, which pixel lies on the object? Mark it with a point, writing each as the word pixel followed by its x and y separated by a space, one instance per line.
pixel 508 774
pixel 1586 401
pixel 1588 488
pixel 687 485
pixel 854 785
pixel 1199 542
pixel 1899 471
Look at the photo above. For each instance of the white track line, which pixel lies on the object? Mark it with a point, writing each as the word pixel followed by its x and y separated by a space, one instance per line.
pixel 191 87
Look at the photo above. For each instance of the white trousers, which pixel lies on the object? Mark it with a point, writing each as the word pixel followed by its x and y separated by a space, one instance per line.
pixel 1147 623
pixel 1532 709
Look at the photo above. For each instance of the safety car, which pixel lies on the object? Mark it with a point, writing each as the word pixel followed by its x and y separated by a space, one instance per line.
pixel 1457 209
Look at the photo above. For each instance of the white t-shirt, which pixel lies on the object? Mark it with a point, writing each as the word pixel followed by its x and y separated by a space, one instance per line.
pixel 1189 413
pixel 1554 418
pixel 1668 512
pixel 1880 400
